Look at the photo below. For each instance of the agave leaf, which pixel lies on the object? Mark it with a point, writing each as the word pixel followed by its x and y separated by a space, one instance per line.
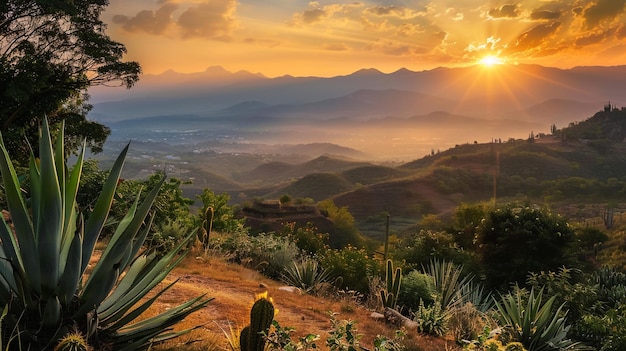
pixel 136 312
pixel 50 222
pixel 100 212
pixel 70 213
pixel 91 299
pixel 68 284
pixel 27 257
pixel 158 324
pixel 144 274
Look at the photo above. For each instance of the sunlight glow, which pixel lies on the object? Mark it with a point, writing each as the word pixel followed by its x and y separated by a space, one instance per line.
pixel 490 60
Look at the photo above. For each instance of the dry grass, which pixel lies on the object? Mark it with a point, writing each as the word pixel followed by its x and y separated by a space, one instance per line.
pixel 233 288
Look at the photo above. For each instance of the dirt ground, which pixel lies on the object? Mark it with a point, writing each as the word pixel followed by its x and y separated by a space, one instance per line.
pixel 233 288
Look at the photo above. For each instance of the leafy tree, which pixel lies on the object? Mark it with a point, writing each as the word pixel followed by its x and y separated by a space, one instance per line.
pixel 514 241
pixel 346 232
pixel 50 53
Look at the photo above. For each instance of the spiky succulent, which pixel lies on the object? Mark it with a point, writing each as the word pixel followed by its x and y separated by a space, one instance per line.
pixel 45 252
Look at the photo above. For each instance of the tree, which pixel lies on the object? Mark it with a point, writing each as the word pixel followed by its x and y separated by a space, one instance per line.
pixel 222 216
pixel 514 241
pixel 50 53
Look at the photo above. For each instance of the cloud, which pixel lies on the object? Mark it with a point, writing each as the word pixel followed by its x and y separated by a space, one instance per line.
pixel 591 39
pixel 603 10
pixel 316 13
pixel 621 32
pixel 153 22
pixel 504 11
pixel 313 15
pixel 534 37
pixel 544 15
pixel 213 19
pixel 393 11
pixel 336 47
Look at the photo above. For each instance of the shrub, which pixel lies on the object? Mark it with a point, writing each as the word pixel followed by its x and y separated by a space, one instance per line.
pixel 353 266
pixel 416 287
pixel 514 241
pixel 431 320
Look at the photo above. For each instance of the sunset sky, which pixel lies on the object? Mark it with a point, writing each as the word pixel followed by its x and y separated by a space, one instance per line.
pixel 327 38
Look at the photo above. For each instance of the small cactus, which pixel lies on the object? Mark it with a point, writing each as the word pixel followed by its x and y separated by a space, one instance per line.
pixel 73 341
pixel 261 316
pixel 514 346
pixel 389 295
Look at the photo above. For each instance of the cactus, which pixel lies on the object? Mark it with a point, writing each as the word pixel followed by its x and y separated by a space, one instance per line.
pixel 514 346
pixel 73 341
pixel 261 316
pixel 389 295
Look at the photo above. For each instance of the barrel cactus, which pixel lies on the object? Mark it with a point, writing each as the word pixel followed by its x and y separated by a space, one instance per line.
pixel 261 316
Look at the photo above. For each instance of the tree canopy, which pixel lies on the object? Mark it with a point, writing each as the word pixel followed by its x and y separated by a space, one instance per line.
pixel 50 53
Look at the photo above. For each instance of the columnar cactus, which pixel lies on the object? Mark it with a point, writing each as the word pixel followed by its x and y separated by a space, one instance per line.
pixel 261 316
pixel 389 295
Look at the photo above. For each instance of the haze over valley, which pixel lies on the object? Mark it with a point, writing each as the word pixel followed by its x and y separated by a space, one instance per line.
pixel 397 116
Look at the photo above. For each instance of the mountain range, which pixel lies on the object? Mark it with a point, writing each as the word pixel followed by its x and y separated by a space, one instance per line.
pixel 403 114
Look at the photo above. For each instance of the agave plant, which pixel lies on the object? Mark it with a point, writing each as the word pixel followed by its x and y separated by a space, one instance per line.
pixel 534 323
pixel 44 256
pixel 306 275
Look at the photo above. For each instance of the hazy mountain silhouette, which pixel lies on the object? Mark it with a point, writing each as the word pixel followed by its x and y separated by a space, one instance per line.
pixel 400 114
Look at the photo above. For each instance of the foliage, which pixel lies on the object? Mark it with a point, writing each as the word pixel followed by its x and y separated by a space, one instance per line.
pixel 449 282
pixel 268 253
pixel 488 341
pixel 345 231
pixel 432 320
pixel 514 241
pixel 419 248
pixel 306 275
pixel 50 53
pixel 390 293
pixel 527 319
pixel 47 251
pixel 343 335
pixel 416 287
pixel 352 265
pixel 167 236
pixel 307 238
pixel 280 339
pixel 222 215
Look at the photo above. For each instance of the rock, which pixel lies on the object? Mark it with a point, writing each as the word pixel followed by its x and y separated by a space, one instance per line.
pixel 377 316
pixel 291 289
pixel 394 317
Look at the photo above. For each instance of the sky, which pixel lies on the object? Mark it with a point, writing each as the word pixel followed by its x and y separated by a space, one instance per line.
pixel 329 38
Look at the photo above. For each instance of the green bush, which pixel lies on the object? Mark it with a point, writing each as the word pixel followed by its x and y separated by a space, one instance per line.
pixel 416 287
pixel 514 241
pixel 353 266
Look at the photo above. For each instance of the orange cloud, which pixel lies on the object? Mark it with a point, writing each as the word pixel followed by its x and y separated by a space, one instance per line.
pixel 603 10
pixel 504 11
pixel 153 22
pixel 534 38
pixel 211 19
pixel 544 15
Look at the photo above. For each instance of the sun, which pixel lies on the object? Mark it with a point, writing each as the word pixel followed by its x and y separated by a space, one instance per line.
pixel 490 61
